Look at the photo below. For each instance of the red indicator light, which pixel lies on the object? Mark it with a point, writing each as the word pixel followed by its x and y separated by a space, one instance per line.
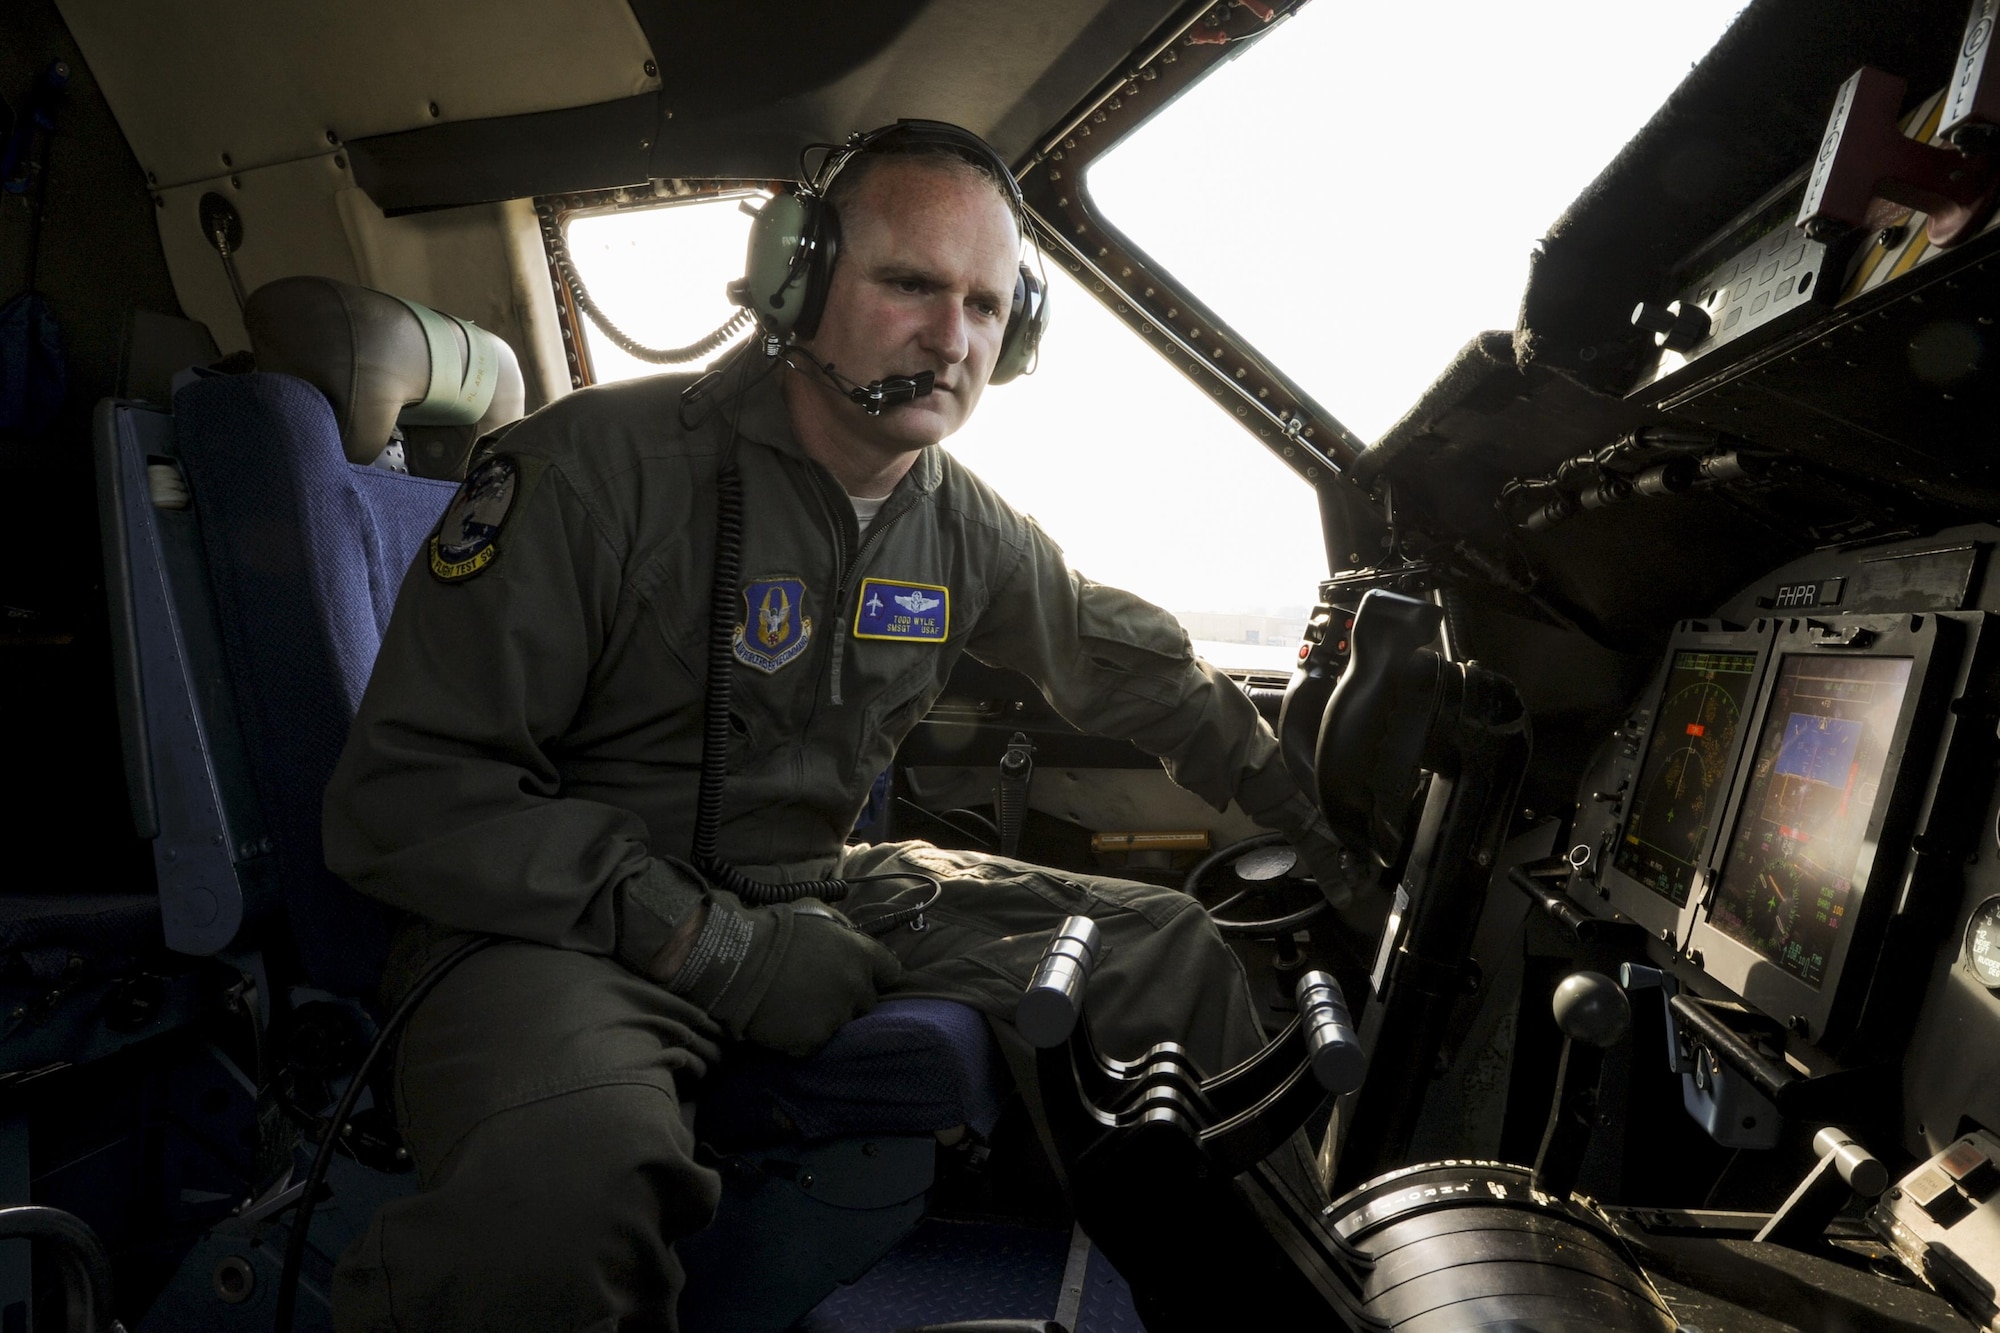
pixel 1697 729
pixel 1340 647
pixel 1305 651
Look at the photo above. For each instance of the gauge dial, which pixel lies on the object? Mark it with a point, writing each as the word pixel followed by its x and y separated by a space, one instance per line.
pixel 1982 943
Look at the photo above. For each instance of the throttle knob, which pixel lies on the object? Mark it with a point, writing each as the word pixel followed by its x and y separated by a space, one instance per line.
pixel 1676 327
pixel 1590 1008
pixel 1338 1062
pixel 1053 1001
pixel 1863 1172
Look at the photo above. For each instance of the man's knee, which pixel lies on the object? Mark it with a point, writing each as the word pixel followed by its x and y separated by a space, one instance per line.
pixel 557 1214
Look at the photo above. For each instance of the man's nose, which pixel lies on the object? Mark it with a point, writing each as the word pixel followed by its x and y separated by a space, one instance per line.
pixel 946 334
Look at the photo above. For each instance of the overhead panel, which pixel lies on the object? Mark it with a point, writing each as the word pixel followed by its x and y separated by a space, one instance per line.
pixel 230 85
pixel 740 98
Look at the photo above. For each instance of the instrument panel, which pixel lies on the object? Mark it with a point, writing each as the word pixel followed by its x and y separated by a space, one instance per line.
pixel 1798 815
pixel 1762 799
pixel 1693 728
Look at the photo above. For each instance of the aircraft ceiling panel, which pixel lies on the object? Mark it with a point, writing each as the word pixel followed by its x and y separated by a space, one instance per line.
pixel 740 99
pixel 265 83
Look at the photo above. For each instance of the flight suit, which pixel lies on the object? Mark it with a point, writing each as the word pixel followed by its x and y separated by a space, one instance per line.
pixel 525 764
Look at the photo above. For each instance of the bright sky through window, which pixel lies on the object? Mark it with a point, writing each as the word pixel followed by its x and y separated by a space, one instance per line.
pixel 1357 194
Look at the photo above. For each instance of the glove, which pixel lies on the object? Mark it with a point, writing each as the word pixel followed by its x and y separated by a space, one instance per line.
pixel 783 977
pixel 1334 868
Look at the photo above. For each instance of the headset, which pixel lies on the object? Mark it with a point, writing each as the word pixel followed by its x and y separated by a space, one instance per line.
pixel 795 239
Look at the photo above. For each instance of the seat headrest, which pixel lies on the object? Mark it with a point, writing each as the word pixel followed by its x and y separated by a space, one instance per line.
pixel 384 362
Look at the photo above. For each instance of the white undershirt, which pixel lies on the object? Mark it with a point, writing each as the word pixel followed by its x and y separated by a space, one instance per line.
pixel 865 510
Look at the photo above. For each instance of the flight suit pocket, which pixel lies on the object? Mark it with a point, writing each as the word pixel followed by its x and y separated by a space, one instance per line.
pixel 1136 649
pixel 1125 632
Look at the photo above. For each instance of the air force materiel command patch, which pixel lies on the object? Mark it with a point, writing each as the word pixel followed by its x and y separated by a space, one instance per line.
pixel 467 537
pixel 776 628
pixel 920 612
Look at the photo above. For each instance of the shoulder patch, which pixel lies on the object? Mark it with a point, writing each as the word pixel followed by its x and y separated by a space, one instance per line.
pixel 776 628
pixel 467 539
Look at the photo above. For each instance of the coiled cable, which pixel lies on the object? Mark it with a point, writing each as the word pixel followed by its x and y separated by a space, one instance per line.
pixel 715 739
pixel 558 247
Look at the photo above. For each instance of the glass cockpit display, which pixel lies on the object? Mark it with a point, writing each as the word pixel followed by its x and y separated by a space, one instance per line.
pixel 1679 788
pixel 1788 883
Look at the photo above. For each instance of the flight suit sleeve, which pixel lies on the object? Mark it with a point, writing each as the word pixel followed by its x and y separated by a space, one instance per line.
pixel 1115 665
pixel 447 801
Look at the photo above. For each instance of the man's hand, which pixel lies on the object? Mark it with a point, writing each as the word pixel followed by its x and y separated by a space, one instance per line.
pixel 1338 871
pixel 782 977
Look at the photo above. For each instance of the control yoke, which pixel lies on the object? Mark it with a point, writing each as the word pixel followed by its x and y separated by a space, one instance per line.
pixel 1418 760
pixel 1372 737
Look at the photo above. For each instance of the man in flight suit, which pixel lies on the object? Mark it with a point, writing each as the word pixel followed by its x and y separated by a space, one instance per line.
pixel 526 760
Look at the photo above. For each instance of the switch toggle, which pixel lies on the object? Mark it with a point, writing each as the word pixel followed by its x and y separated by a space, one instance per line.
pixel 1931 1190
pixel 1676 327
pixel 1865 155
pixel 1969 1168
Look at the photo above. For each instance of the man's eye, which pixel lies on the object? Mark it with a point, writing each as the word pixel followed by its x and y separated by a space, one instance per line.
pixel 912 286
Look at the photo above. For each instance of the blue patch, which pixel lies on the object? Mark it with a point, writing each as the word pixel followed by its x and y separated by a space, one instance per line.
pixel 887 609
pixel 775 628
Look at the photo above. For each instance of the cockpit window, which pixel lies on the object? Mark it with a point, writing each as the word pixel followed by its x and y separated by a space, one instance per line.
pixel 1128 466
pixel 1358 193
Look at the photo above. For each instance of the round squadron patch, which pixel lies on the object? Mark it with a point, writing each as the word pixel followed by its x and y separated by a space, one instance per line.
pixel 468 537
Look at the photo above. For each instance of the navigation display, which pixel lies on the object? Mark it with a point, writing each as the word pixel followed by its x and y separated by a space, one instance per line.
pixel 1787 888
pixel 1679 787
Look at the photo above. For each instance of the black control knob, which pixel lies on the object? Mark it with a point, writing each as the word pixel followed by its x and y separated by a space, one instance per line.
pixel 1676 327
pixel 1590 1008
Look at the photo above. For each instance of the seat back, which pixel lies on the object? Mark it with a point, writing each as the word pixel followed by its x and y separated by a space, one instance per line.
pixel 308 523
pixel 305 554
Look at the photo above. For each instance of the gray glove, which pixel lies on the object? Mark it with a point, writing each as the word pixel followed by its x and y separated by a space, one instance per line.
pixel 782 977
pixel 1337 871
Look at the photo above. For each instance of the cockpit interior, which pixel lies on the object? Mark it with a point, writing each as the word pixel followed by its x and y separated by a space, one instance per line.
pixel 1648 673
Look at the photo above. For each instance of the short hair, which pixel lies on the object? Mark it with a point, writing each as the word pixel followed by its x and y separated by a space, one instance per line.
pixel 847 181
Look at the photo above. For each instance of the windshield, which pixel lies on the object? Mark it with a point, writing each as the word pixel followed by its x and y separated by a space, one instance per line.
pixel 1358 194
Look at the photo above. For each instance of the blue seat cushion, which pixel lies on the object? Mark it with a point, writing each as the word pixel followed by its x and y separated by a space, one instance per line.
pixel 906 1067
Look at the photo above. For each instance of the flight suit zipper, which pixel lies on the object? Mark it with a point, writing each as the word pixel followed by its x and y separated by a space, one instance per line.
pixel 849 563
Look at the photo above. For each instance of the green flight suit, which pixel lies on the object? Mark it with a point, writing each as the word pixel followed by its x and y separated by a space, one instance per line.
pixel 532 734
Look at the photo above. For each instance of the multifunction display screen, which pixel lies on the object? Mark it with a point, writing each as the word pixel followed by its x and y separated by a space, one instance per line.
pixel 1679 789
pixel 1787 888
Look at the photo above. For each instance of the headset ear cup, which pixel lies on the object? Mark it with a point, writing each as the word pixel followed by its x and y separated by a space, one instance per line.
pixel 782 260
pixel 818 278
pixel 1027 320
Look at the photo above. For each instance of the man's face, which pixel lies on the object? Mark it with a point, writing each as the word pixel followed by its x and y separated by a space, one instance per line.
pixel 924 278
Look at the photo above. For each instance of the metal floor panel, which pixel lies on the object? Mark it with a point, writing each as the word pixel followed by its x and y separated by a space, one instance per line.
pixel 973 1270
pixel 1107 1301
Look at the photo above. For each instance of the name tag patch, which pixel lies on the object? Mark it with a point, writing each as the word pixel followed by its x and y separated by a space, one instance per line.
pixel 775 629
pixel 891 609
